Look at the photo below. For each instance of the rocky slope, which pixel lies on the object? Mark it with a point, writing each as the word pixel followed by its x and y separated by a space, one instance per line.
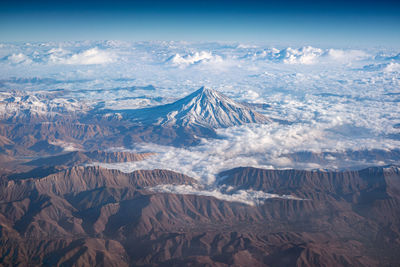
pixel 94 216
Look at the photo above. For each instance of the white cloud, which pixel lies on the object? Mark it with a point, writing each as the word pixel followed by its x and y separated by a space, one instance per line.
pixel 61 55
pixel 257 146
pixel 392 67
pixel 346 55
pixel 202 57
pixel 19 58
pixel 57 55
pixel 67 147
pixel 305 55
pixel 246 46
pixel 90 56
pixel 249 197
pixel 250 96
pixel 308 55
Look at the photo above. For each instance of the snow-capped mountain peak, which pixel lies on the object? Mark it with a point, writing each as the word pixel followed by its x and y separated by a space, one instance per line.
pixel 207 108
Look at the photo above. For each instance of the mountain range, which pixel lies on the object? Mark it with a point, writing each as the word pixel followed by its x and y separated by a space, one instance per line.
pixel 84 216
pixel 60 205
pixel 30 125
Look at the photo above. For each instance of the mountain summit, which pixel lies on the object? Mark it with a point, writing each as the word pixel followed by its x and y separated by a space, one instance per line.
pixel 206 108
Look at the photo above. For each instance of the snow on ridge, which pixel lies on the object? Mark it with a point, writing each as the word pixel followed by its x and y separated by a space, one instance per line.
pixel 18 104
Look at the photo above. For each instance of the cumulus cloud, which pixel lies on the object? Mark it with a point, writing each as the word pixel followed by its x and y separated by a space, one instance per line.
pixel 250 96
pixel 90 56
pixel 19 58
pixel 59 55
pixel 305 55
pixel 202 57
pixel 308 55
pixel 249 197
pixel 346 55
pixel 392 67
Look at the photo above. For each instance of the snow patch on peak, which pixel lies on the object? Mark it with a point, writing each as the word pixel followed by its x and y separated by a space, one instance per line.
pixel 206 108
pixel 209 108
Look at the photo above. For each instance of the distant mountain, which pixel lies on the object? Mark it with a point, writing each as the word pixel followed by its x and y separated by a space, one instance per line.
pixel 366 185
pixel 31 107
pixel 203 108
pixel 181 123
pixel 348 159
pixel 81 157
pixel 45 166
pixel 79 179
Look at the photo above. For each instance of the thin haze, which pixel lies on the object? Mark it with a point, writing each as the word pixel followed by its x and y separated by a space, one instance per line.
pixel 325 22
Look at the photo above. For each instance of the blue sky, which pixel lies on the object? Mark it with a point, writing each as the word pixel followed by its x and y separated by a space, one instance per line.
pixel 315 22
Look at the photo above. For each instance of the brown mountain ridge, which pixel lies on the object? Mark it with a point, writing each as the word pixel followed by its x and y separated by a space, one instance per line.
pixel 84 216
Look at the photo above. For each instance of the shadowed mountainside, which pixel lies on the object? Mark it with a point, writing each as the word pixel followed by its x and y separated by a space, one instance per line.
pixel 90 215
pixel 42 167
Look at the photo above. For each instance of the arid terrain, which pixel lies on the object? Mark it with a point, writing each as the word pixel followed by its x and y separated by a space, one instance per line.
pixel 82 208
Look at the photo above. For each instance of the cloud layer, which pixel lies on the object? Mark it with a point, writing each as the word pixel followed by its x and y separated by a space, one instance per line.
pixel 181 55
pixel 321 99
pixel 249 197
pixel 308 55
pixel 59 55
pixel 264 146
